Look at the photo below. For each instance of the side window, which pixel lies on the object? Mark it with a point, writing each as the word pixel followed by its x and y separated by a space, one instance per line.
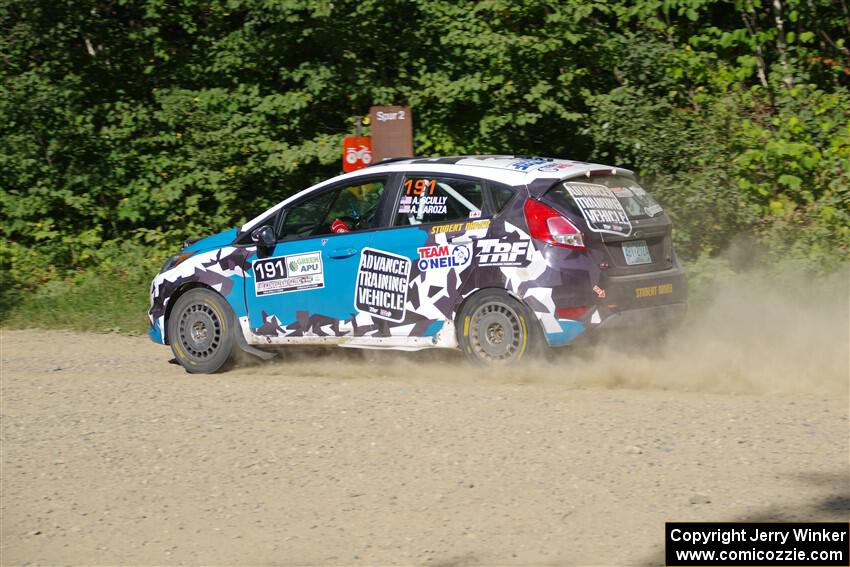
pixel 341 209
pixel 501 195
pixel 427 199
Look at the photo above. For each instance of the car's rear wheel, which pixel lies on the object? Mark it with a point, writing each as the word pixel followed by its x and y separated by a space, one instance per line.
pixel 201 331
pixel 497 329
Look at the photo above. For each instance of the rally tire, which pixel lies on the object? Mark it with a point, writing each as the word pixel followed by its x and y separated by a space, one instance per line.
pixel 201 330
pixel 495 328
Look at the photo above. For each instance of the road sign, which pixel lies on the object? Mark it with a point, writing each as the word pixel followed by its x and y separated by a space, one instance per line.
pixel 356 152
pixel 392 131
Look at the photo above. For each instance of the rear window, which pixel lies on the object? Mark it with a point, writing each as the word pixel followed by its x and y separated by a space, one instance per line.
pixel 607 202
pixel 637 202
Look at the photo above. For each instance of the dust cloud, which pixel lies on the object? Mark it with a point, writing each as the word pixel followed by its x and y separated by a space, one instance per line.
pixel 758 332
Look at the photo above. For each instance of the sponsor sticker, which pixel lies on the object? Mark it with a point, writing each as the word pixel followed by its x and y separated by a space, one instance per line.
pixel 652 210
pixel 554 167
pixel 419 198
pixel 526 164
pixel 600 208
pixel 445 256
pixel 460 226
pixel 653 290
pixel 424 205
pixel 282 274
pixel 381 289
pixel 494 252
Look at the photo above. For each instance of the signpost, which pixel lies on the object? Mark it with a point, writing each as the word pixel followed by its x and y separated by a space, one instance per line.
pixel 392 131
pixel 392 137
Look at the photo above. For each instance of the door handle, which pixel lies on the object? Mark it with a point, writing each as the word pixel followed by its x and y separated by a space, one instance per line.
pixel 340 253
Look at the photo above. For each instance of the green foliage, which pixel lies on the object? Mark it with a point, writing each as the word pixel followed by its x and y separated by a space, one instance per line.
pixel 113 296
pixel 131 123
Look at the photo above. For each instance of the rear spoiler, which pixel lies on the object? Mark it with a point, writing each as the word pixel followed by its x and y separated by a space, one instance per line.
pixel 540 186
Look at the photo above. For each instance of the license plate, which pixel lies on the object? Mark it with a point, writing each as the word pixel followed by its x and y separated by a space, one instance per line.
pixel 636 253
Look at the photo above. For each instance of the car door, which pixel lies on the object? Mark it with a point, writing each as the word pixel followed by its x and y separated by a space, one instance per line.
pixel 303 286
pixel 436 219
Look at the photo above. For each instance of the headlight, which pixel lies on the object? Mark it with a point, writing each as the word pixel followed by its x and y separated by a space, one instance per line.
pixel 176 260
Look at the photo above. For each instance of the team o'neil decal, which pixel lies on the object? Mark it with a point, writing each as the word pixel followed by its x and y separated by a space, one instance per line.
pixel 443 256
pixel 381 289
pixel 282 274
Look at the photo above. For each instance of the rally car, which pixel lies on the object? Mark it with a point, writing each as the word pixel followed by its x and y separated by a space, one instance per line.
pixel 498 256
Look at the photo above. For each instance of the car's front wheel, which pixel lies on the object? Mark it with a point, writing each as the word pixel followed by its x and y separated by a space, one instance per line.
pixel 201 331
pixel 496 328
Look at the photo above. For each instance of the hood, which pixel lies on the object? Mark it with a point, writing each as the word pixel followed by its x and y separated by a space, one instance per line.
pixel 215 241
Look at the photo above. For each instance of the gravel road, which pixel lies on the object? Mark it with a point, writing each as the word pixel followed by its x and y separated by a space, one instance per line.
pixel 110 455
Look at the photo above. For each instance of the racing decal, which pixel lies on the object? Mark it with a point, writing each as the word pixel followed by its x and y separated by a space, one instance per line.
pixel 497 252
pixel 652 210
pixel 282 274
pixel 478 225
pixel 381 288
pixel 600 208
pixel 419 198
pixel 526 164
pixel 638 193
pixel 424 205
pixel 419 186
pixel 555 167
pixel 653 290
pixel 445 256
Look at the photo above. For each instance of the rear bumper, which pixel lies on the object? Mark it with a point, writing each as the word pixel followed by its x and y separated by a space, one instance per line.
pixel 659 317
pixel 644 291
pixel 648 301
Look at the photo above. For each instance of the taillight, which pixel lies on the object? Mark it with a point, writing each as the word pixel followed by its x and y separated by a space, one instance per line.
pixel 550 226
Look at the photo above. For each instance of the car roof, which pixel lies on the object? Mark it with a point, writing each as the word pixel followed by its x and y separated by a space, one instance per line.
pixel 513 170
pixel 523 169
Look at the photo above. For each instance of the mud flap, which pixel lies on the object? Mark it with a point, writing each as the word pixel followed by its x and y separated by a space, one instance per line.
pixel 245 347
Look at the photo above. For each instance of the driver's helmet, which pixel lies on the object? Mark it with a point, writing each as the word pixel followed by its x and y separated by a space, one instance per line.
pixel 339 226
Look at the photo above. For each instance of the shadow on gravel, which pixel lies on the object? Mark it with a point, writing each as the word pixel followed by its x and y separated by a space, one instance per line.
pixel 834 507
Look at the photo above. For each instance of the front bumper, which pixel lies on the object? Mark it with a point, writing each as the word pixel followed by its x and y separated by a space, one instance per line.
pixel 155 333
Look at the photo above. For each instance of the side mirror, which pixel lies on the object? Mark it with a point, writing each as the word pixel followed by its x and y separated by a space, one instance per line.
pixel 264 237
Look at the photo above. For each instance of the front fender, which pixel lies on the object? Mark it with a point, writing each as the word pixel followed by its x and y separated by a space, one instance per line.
pixel 222 270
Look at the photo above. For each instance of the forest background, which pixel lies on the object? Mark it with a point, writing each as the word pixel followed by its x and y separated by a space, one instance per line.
pixel 127 126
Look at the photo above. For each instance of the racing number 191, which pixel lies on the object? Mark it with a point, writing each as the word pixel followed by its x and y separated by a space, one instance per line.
pixel 269 270
pixel 417 188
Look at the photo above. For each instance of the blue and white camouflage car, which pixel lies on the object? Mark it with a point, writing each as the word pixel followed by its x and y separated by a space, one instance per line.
pixel 496 255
